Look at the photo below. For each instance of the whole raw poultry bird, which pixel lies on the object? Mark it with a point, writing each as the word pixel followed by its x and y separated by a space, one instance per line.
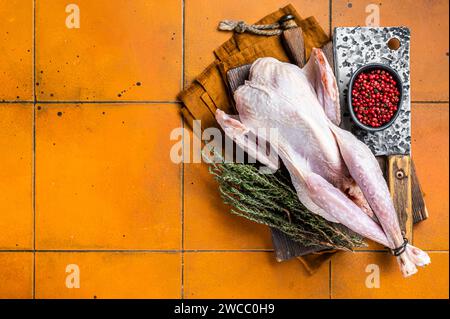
pixel 335 175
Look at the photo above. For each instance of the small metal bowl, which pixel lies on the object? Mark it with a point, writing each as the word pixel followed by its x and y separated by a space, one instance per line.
pixel 366 68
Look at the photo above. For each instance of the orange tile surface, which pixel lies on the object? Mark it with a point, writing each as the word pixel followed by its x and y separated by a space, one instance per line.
pixel 430 154
pixel 250 275
pixel 104 177
pixel 16 47
pixel 108 275
pixel 203 17
pixel 16 275
pixel 429 24
pixel 350 271
pixel 95 159
pixel 119 44
pixel 16 211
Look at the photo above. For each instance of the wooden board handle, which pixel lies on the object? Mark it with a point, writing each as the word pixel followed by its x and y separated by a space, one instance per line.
pixel 419 208
pixel 399 179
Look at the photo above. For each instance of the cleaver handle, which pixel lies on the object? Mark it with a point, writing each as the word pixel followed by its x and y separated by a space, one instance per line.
pixel 399 176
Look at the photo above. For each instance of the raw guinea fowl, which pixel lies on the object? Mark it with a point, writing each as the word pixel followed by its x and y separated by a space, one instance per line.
pixel 335 175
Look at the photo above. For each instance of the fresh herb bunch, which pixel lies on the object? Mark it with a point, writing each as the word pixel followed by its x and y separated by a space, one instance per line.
pixel 270 199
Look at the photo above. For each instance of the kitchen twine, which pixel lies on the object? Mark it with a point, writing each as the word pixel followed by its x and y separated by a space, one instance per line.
pixel 400 250
pixel 258 29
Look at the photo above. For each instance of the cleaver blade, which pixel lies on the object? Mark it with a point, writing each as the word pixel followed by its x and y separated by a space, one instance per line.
pixel 358 46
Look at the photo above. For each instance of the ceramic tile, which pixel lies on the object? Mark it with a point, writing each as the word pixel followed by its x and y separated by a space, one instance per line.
pixel 430 155
pixel 428 21
pixel 250 275
pixel 122 50
pixel 16 45
pixel 108 275
pixel 352 274
pixel 105 179
pixel 16 207
pixel 16 275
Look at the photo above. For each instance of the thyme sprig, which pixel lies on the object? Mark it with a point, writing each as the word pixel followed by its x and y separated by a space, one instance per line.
pixel 270 199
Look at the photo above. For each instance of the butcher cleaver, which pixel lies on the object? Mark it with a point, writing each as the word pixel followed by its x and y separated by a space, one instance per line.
pixel 358 46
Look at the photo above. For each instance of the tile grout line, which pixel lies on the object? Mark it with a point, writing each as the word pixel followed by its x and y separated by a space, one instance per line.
pixel 139 251
pixel 431 102
pixel 150 102
pixel 17 101
pixel 182 212
pixel 34 151
pixel 183 44
pixel 330 22
pixel 171 251
pixel 330 17
pixel 329 279
pixel 107 102
pixel 183 64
